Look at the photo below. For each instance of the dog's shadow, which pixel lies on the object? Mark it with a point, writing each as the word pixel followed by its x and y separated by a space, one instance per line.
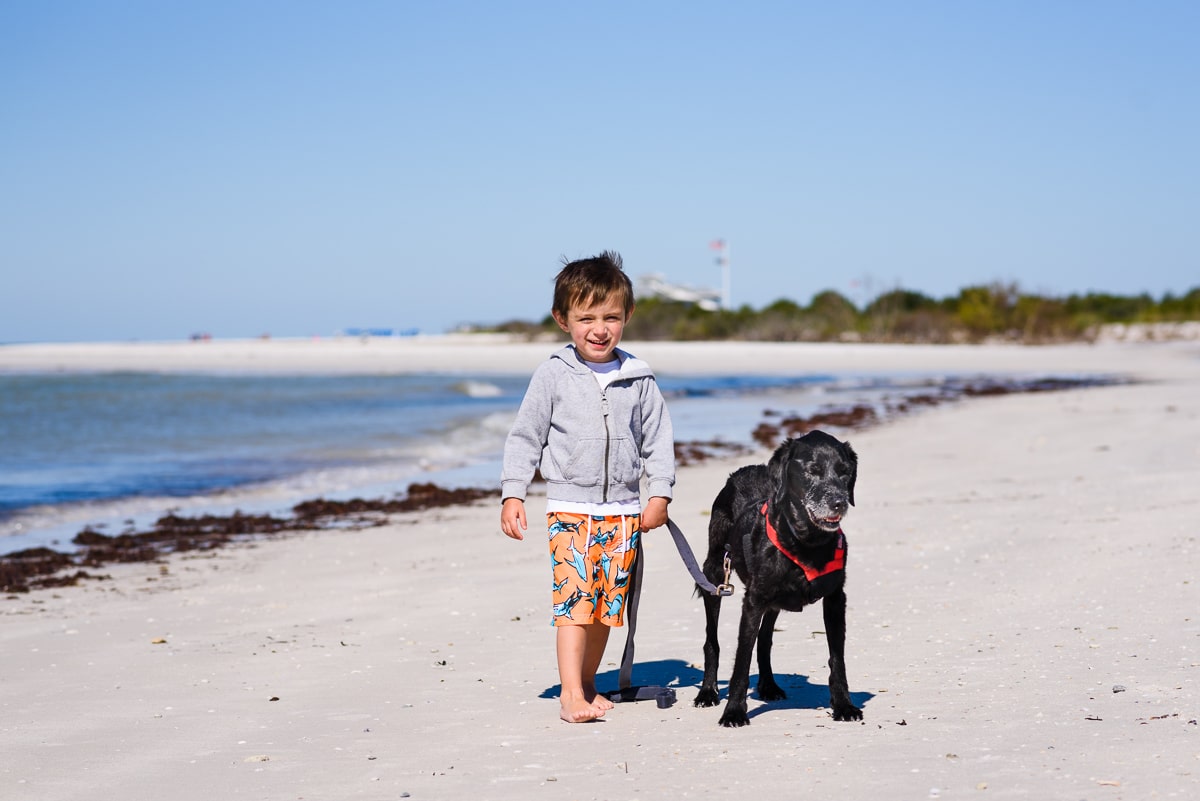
pixel 677 674
pixel 801 694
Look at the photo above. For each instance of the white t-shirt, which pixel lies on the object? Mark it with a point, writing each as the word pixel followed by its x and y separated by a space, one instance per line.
pixel 604 372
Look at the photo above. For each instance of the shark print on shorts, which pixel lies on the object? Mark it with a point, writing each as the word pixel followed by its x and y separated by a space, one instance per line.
pixel 592 557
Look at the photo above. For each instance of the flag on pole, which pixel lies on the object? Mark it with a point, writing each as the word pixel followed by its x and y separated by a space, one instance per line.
pixel 717 244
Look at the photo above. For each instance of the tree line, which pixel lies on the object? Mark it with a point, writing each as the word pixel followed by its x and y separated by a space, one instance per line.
pixel 978 313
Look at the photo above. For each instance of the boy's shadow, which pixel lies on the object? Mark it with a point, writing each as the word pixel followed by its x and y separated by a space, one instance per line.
pixel 674 673
pixel 677 674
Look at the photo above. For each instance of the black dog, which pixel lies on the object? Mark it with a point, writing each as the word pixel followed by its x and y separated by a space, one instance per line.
pixel 780 524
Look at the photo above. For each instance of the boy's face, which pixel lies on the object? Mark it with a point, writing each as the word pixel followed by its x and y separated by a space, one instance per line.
pixel 596 329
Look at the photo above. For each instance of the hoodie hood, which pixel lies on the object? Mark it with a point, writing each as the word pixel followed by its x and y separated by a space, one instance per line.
pixel 631 366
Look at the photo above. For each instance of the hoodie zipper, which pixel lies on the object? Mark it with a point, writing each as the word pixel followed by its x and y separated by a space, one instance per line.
pixel 607 439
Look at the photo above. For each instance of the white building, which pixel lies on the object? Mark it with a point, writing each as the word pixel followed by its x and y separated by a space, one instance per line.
pixel 655 285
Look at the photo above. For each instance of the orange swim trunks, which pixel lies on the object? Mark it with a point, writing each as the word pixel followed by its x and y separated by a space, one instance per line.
pixel 592 558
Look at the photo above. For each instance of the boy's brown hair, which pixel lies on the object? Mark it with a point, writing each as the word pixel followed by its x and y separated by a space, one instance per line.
pixel 585 282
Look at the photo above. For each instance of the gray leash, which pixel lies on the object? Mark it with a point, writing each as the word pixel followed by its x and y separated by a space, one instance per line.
pixel 689 560
pixel 664 696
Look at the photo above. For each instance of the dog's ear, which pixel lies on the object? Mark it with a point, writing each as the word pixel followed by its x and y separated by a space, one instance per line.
pixel 777 469
pixel 777 465
pixel 851 459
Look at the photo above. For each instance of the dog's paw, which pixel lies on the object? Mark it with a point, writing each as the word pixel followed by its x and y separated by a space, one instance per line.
pixel 770 691
pixel 734 718
pixel 707 697
pixel 847 712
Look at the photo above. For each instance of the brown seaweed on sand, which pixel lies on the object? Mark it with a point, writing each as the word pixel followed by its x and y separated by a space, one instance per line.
pixel 42 568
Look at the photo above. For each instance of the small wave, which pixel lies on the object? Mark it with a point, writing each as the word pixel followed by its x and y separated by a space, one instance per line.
pixel 466 453
pixel 478 389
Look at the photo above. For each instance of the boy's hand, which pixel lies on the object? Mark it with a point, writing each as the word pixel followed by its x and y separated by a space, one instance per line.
pixel 512 518
pixel 655 513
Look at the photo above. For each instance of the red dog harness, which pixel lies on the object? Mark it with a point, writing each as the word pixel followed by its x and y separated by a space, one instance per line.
pixel 837 563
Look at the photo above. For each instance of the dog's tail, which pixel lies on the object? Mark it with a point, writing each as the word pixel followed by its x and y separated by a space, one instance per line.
pixel 720 526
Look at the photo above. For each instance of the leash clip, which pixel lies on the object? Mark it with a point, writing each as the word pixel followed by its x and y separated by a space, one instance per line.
pixel 725 589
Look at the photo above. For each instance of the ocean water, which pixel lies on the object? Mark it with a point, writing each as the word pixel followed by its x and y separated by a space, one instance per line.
pixel 114 450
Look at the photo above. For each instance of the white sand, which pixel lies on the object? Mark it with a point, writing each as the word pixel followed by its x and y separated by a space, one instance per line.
pixel 499 354
pixel 1013 560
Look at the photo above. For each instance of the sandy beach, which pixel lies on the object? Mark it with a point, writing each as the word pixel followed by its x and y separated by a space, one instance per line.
pixel 485 353
pixel 1023 618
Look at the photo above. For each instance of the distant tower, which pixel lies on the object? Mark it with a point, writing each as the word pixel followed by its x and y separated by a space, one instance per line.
pixel 722 249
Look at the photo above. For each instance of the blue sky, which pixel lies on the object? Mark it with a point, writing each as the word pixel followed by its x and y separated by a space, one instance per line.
pixel 295 168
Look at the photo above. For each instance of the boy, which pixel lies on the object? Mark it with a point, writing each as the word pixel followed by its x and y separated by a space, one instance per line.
pixel 594 421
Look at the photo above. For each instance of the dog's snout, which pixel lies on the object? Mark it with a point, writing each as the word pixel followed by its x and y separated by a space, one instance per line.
pixel 834 498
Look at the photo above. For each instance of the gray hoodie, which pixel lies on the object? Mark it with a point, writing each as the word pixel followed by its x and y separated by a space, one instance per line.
pixel 592 445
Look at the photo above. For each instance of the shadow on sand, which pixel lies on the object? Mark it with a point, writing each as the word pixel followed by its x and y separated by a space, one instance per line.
pixel 678 675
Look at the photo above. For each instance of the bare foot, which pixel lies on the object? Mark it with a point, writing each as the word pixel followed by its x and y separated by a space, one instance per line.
pixel 576 709
pixel 599 701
